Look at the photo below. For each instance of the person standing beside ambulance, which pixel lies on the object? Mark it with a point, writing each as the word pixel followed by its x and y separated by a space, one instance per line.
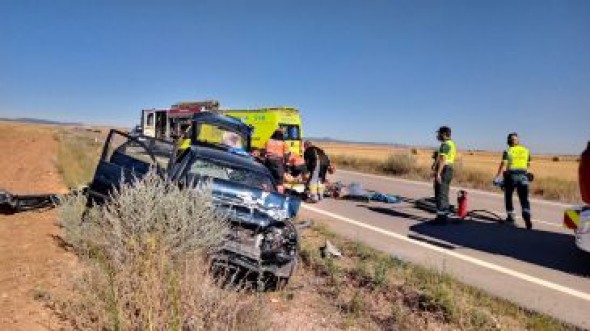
pixel 276 154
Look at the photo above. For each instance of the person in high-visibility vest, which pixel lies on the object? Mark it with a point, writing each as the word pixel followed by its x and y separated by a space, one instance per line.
pixel 318 164
pixel 443 174
pixel 297 166
pixel 514 168
pixel 276 154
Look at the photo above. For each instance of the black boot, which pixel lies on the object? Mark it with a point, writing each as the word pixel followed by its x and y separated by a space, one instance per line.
pixel 439 220
pixel 527 221
pixel 509 220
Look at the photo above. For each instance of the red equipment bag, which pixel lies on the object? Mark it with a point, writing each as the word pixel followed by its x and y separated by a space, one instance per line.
pixel 584 175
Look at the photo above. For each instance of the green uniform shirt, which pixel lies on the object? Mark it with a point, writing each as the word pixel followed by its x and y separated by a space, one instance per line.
pixel 517 157
pixel 449 150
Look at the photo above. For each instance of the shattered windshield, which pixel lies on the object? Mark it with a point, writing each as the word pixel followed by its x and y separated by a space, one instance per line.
pixel 204 167
pixel 218 135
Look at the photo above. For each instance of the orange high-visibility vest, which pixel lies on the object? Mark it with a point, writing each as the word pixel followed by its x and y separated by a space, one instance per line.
pixel 276 148
pixel 297 160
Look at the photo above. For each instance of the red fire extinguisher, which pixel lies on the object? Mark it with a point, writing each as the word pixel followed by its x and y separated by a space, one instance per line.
pixel 462 203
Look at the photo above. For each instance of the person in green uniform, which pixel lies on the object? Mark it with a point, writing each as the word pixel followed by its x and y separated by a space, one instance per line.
pixel 443 174
pixel 514 167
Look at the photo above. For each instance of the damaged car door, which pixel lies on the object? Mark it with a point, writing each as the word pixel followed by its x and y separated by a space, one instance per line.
pixel 125 158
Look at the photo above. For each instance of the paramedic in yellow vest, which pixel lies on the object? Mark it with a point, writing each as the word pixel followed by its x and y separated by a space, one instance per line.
pixel 443 174
pixel 183 141
pixel 514 167
pixel 276 155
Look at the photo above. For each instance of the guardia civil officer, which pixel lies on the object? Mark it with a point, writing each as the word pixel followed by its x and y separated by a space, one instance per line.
pixel 443 174
pixel 514 168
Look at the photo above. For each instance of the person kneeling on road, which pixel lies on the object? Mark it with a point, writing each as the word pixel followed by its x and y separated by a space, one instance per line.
pixel 514 168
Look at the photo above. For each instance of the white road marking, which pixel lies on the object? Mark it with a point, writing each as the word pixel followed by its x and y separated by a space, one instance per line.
pixel 466 258
pixel 557 225
pixel 551 203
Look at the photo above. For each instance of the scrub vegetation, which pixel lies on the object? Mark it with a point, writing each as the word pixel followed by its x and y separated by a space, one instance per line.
pixel 143 263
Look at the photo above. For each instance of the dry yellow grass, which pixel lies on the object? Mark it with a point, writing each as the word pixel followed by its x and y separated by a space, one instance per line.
pixel 542 166
pixel 556 177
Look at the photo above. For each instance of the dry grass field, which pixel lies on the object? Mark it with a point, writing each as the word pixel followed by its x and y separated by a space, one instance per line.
pixel 542 166
pixel 556 176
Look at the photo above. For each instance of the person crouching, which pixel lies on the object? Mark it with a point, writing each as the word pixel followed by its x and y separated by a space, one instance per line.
pixel 318 164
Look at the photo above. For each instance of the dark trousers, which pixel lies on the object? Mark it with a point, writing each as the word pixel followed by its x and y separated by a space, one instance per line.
pixel 519 182
pixel 277 169
pixel 441 192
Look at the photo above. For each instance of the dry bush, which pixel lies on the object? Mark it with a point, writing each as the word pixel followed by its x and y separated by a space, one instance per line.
pixel 399 164
pixel 556 159
pixel 144 262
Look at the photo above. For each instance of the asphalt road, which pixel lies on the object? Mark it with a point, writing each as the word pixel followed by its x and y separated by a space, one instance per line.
pixel 540 269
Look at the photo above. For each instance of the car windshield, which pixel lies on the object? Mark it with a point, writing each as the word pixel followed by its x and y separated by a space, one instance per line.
pixel 207 168
pixel 220 136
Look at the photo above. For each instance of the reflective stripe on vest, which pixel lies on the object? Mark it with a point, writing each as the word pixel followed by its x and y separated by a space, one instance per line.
pixel 450 156
pixel 518 158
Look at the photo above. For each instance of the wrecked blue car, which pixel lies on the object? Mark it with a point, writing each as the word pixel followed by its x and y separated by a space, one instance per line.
pixel 263 238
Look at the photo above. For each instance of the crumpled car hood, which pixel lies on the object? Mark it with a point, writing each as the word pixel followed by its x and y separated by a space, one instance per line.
pixel 252 205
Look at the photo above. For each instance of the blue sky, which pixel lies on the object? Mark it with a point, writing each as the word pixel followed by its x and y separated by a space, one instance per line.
pixel 386 71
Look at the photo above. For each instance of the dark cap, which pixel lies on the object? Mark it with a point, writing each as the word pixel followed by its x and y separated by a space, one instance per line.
pixel 512 134
pixel 444 130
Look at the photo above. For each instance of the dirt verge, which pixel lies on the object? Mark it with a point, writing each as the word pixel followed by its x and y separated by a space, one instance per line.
pixel 31 261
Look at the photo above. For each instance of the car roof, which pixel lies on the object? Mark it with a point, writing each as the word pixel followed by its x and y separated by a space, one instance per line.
pixel 230 123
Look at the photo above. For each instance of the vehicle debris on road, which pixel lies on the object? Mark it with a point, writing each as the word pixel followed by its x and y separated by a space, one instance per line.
pixel 13 203
pixel 330 250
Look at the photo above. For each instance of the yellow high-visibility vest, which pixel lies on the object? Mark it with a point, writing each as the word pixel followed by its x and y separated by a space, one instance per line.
pixel 517 158
pixel 451 154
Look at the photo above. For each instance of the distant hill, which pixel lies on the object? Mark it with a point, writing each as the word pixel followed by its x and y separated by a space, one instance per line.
pixel 38 121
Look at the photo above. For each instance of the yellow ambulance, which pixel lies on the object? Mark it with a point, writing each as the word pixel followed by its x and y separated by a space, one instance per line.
pixel 265 121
